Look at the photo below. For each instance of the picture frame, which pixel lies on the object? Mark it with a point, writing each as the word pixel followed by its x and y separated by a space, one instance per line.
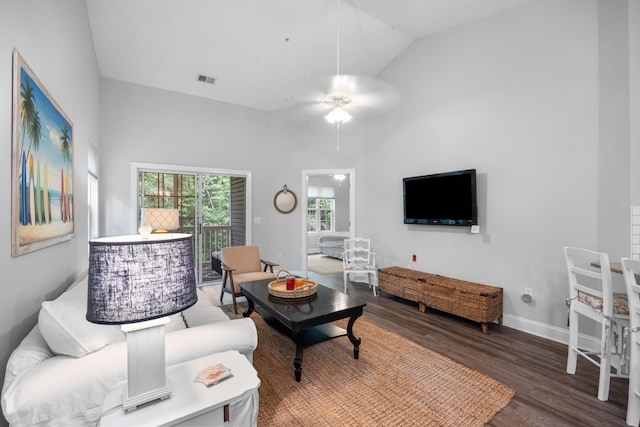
pixel 42 202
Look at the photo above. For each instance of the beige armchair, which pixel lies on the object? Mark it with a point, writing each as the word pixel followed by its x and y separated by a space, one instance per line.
pixel 242 264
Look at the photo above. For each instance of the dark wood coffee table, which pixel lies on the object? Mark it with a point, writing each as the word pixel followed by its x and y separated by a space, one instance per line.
pixel 307 321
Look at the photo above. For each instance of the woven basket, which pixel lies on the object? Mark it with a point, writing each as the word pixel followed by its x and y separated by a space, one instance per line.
pixel 473 301
pixel 278 288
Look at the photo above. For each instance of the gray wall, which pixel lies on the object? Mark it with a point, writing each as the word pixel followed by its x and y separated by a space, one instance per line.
pixel 153 126
pixel 54 39
pixel 634 99
pixel 516 96
pixel 140 124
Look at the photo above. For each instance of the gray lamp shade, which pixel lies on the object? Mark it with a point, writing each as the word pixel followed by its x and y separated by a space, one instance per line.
pixel 137 278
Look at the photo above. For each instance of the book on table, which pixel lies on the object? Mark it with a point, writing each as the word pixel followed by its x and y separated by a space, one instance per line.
pixel 212 374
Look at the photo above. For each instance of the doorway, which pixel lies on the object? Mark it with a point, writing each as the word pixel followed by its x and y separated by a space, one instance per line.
pixel 328 197
pixel 212 206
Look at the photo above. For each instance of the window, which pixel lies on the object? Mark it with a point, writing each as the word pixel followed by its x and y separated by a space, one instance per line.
pixel 170 191
pixel 320 214
pixel 212 206
pixel 178 191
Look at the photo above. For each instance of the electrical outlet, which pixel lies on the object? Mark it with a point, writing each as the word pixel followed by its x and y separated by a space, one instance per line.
pixel 279 255
pixel 414 258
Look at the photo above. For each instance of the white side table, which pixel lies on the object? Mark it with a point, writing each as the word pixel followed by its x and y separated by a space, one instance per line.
pixel 232 402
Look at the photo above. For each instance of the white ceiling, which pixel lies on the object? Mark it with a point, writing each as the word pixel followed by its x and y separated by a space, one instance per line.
pixel 264 54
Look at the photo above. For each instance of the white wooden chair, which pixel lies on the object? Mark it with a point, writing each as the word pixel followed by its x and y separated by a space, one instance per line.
pixel 358 259
pixel 631 271
pixel 591 295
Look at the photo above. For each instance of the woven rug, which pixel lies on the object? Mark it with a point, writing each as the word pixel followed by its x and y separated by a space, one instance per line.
pixel 394 382
pixel 322 264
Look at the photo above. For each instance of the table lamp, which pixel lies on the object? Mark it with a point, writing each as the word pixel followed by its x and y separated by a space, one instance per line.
pixel 161 220
pixel 137 281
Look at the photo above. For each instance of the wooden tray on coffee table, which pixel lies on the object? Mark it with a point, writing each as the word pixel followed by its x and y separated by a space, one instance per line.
pixel 278 288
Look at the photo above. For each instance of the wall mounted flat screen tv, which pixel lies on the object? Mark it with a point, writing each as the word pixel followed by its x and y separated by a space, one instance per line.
pixel 441 199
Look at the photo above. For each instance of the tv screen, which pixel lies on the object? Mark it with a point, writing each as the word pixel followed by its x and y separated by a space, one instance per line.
pixel 441 199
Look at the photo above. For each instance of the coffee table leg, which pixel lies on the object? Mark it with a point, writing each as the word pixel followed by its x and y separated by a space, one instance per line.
pixel 354 340
pixel 250 309
pixel 297 362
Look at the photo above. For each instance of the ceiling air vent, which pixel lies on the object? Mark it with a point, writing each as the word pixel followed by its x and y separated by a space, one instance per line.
pixel 206 79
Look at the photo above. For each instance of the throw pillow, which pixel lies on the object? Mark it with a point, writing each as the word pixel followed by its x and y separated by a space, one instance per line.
pixel 64 326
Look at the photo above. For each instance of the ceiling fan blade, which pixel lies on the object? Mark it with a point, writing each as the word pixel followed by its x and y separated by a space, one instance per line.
pixel 310 110
pixel 360 96
pixel 382 100
pixel 348 84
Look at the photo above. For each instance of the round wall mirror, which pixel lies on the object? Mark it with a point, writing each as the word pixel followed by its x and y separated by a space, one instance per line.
pixel 285 202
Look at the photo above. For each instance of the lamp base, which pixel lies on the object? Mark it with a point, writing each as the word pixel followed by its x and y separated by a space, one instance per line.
pixel 134 402
pixel 146 368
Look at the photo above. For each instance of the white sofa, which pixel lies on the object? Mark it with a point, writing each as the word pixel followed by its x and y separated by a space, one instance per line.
pixel 61 373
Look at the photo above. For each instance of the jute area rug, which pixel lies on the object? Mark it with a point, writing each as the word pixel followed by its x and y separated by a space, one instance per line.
pixel 322 264
pixel 395 382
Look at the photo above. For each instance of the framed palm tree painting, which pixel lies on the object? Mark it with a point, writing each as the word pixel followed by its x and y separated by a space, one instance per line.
pixel 42 205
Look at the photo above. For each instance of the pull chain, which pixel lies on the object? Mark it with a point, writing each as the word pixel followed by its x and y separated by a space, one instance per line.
pixel 338 42
pixel 338 71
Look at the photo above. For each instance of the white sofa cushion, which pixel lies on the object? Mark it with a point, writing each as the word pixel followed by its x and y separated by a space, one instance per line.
pixel 203 312
pixel 63 325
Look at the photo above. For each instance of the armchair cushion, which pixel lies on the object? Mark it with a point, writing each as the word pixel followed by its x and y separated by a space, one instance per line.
pixel 242 264
pixel 242 259
pixel 250 277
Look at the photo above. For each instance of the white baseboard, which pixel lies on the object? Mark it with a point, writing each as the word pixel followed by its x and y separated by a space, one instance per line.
pixel 539 329
pixel 549 332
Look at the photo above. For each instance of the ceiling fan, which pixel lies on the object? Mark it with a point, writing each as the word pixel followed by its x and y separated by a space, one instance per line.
pixel 341 97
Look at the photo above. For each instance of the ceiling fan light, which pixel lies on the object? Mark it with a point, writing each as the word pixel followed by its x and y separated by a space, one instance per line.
pixel 337 115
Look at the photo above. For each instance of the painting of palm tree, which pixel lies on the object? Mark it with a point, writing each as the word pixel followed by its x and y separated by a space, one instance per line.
pixel 42 169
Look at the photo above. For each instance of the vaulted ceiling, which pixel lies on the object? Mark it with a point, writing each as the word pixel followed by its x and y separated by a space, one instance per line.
pixel 263 54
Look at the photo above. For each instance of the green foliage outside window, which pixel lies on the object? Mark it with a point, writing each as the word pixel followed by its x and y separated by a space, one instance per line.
pixel 171 191
pixel 320 214
pixel 215 200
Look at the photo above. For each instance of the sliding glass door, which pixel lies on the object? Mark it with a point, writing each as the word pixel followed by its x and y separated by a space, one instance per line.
pixel 211 207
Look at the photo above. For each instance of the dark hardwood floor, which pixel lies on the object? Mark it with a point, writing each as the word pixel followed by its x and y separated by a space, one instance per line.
pixel 545 395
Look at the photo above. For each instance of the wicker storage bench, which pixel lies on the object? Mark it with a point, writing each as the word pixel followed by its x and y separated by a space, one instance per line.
pixel 473 301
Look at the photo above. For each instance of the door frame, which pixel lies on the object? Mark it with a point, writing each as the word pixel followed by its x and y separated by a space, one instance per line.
pixel 137 167
pixel 303 205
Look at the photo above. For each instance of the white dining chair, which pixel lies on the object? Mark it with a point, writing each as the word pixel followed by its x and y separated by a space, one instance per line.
pixel 358 259
pixel 631 272
pixel 591 296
